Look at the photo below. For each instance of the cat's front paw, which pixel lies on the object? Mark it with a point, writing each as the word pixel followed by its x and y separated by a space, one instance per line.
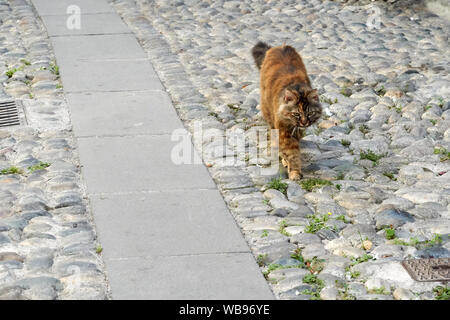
pixel 284 163
pixel 295 175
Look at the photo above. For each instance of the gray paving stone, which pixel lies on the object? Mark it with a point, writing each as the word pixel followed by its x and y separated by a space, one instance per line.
pixel 122 113
pixel 199 277
pixel 97 47
pixel 59 7
pixel 125 164
pixel 81 76
pixel 165 223
pixel 100 23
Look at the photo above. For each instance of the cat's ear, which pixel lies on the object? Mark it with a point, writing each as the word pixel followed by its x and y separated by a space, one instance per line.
pixel 313 96
pixel 289 96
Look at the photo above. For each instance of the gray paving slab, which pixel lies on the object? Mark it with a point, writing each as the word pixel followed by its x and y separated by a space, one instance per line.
pixel 79 76
pixel 165 223
pixel 135 163
pixel 197 277
pixel 59 7
pixel 122 113
pixel 99 23
pixel 97 47
pixel 164 227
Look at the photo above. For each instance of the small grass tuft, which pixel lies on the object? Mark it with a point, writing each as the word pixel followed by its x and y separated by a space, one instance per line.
pixel 389 233
pixel 40 166
pixel 316 223
pixel 370 155
pixel 381 91
pixel 11 170
pixel 282 226
pixel 342 218
pixel 364 258
pixel 340 176
pixel 277 184
pixel 345 143
pixel 10 72
pixel 317 285
pixel 441 292
pixel 311 184
pixel 390 175
pixel 381 290
pixel 364 128
pixel 261 259
pixel 54 68
pixel 444 152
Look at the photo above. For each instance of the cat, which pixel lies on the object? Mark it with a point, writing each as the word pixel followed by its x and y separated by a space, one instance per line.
pixel 288 103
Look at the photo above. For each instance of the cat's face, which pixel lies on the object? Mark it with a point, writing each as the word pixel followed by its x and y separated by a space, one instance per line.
pixel 304 105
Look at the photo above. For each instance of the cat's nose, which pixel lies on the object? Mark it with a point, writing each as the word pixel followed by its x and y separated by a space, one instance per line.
pixel 304 121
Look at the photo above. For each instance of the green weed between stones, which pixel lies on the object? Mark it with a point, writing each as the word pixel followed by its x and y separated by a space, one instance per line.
pixel 10 72
pixel 342 218
pixel 54 68
pixel 441 292
pixel 381 290
pixel 261 259
pixel 390 175
pixel 364 258
pixel 389 233
pixel 370 155
pixel 381 91
pixel 316 223
pixel 317 285
pixel 345 143
pixel 40 166
pixel 276 266
pixel 11 170
pixel 25 62
pixel 364 128
pixel 328 100
pixel 31 169
pixel 414 242
pixel 282 226
pixel 311 184
pixel 343 291
pixel 444 152
pixel 276 184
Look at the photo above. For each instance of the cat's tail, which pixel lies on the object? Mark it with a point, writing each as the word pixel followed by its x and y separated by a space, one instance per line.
pixel 259 52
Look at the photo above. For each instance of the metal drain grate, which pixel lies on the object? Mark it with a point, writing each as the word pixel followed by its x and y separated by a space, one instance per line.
pixel 428 269
pixel 9 114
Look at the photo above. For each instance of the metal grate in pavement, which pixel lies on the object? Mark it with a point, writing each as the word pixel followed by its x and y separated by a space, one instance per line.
pixel 428 269
pixel 11 114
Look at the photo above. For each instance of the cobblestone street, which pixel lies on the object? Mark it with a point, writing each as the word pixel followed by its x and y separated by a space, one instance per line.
pixel 380 153
pixel 47 240
pixel 376 185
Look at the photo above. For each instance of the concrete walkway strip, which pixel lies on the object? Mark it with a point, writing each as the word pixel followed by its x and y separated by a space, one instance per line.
pixel 165 229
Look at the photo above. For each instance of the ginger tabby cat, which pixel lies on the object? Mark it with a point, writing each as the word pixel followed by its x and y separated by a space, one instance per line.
pixel 288 103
